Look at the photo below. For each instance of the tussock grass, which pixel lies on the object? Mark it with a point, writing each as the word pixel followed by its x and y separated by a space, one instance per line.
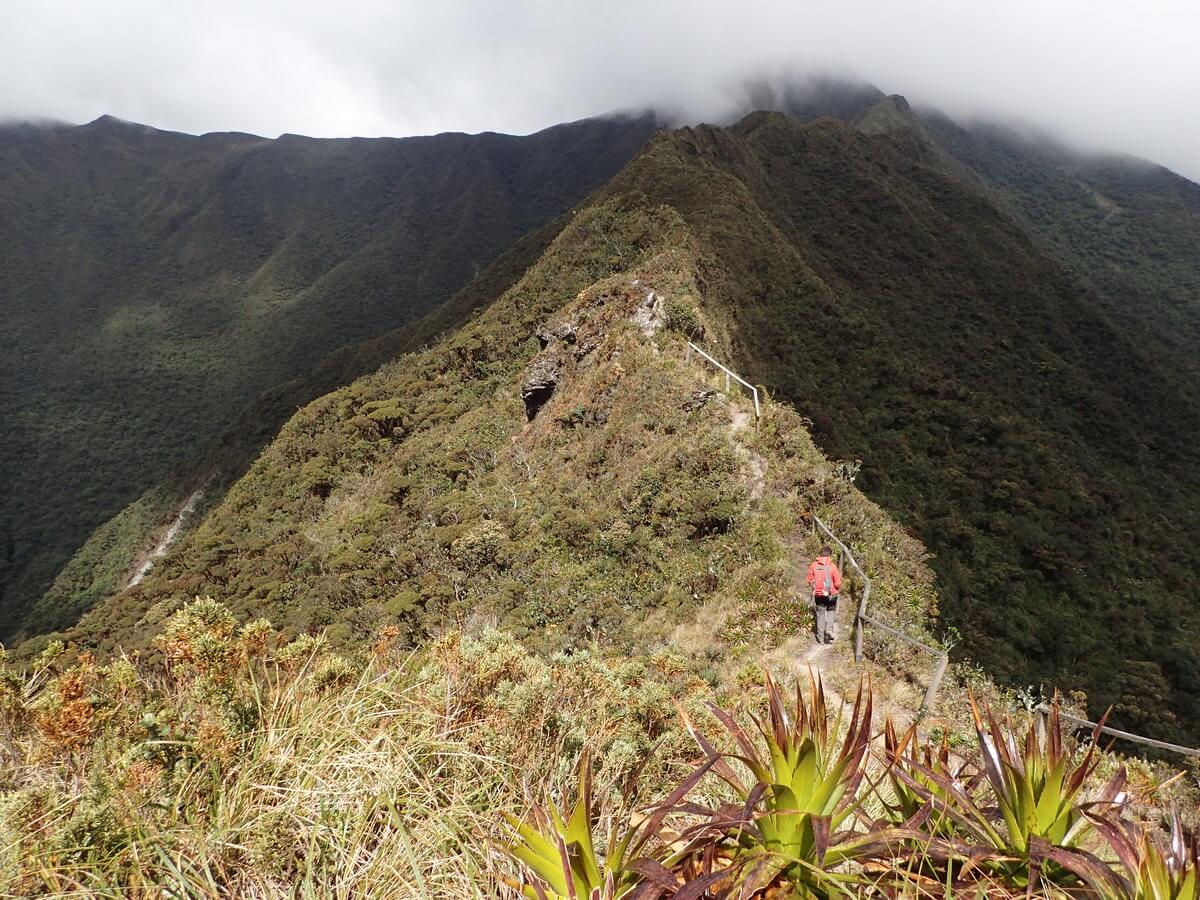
pixel 256 768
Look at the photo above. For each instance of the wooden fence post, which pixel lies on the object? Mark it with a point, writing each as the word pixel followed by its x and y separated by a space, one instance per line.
pixel 859 624
pixel 935 682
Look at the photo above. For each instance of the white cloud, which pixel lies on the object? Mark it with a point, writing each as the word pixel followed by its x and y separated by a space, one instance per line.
pixel 1118 75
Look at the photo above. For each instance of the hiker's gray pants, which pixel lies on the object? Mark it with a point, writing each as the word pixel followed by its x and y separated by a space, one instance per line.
pixel 826 616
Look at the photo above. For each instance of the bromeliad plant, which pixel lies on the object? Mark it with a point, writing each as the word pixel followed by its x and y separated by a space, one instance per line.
pixel 560 852
pixel 919 799
pixel 1023 820
pixel 793 823
pixel 1151 873
pixel 798 794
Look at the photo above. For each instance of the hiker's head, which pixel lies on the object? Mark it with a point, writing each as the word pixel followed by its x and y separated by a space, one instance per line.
pixel 825 551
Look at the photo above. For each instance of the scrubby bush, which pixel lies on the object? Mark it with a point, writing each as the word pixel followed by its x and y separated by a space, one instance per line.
pixel 248 765
pixel 683 317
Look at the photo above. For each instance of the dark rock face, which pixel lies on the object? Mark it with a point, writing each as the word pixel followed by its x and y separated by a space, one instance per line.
pixel 564 332
pixel 539 385
pixel 546 369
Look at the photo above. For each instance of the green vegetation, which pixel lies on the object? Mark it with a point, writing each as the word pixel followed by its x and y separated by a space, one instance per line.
pixel 248 763
pixel 155 282
pixel 994 327
pixel 102 566
pixel 985 389
pixel 1039 450
pixel 421 497
pixel 1125 226
pixel 543 558
pixel 805 822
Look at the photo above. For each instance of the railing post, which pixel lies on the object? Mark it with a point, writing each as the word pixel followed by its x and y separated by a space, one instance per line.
pixel 727 382
pixel 935 682
pixel 859 624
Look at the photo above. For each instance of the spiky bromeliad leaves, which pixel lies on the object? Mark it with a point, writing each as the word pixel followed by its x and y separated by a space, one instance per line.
pixel 1151 872
pixel 793 826
pixel 1018 822
pixel 561 852
pixel 923 805
pixel 1021 821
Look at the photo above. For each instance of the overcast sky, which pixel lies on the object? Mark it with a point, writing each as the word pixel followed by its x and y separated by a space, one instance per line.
pixel 1120 75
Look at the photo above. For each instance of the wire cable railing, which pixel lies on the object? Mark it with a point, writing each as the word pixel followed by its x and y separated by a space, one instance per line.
pixel 729 374
pixel 863 618
pixel 1044 710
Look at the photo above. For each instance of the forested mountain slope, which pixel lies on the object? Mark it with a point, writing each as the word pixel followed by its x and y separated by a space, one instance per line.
pixel 997 408
pixel 153 283
pixel 1129 228
pixel 1041 450
pixel 613 509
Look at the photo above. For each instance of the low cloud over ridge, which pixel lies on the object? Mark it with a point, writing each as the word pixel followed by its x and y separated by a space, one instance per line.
pixel 1114 75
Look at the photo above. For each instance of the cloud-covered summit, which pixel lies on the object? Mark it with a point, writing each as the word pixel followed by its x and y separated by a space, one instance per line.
pixel 1115 75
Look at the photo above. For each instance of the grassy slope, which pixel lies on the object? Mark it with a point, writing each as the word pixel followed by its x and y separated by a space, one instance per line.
pixel 997 408
pixel 155 281
pixel 420 497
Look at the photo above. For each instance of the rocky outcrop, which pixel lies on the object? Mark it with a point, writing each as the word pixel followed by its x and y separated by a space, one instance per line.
pixel 539 384
pixel 650 314
pixel 545 371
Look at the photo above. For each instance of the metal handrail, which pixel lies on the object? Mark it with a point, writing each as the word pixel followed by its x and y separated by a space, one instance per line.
pixel 861 620
pixel 939 672
pixel 1044 710
pixel 729 373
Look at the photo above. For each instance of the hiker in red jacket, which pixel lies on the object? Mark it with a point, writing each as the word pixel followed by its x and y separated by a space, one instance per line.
pixel 826 583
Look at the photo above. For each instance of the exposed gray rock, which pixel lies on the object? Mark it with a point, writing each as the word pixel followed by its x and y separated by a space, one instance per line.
pixel 565 332
pixel 698 399
pixel 650 315
pixel 539 384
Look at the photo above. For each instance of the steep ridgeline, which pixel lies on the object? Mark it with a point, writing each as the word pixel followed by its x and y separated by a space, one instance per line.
pixel 1039 450
pixel 153 282
pixel 1042 451
pixel 556 466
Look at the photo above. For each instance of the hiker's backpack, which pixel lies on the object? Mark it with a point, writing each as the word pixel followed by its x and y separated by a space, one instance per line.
pixel 824 570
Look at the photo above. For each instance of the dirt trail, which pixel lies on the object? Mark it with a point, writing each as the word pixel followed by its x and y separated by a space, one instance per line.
pixel 800 654
pixel 756 466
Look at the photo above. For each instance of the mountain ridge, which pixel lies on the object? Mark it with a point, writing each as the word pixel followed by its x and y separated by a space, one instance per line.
pixel 159 280
pixel 953 321
pixel 893 222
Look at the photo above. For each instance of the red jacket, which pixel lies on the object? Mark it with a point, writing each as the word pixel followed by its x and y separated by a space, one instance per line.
pixel 824 577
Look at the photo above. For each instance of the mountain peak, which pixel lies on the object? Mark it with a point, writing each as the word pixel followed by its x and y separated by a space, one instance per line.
pixel 109 122
pixel 892 113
